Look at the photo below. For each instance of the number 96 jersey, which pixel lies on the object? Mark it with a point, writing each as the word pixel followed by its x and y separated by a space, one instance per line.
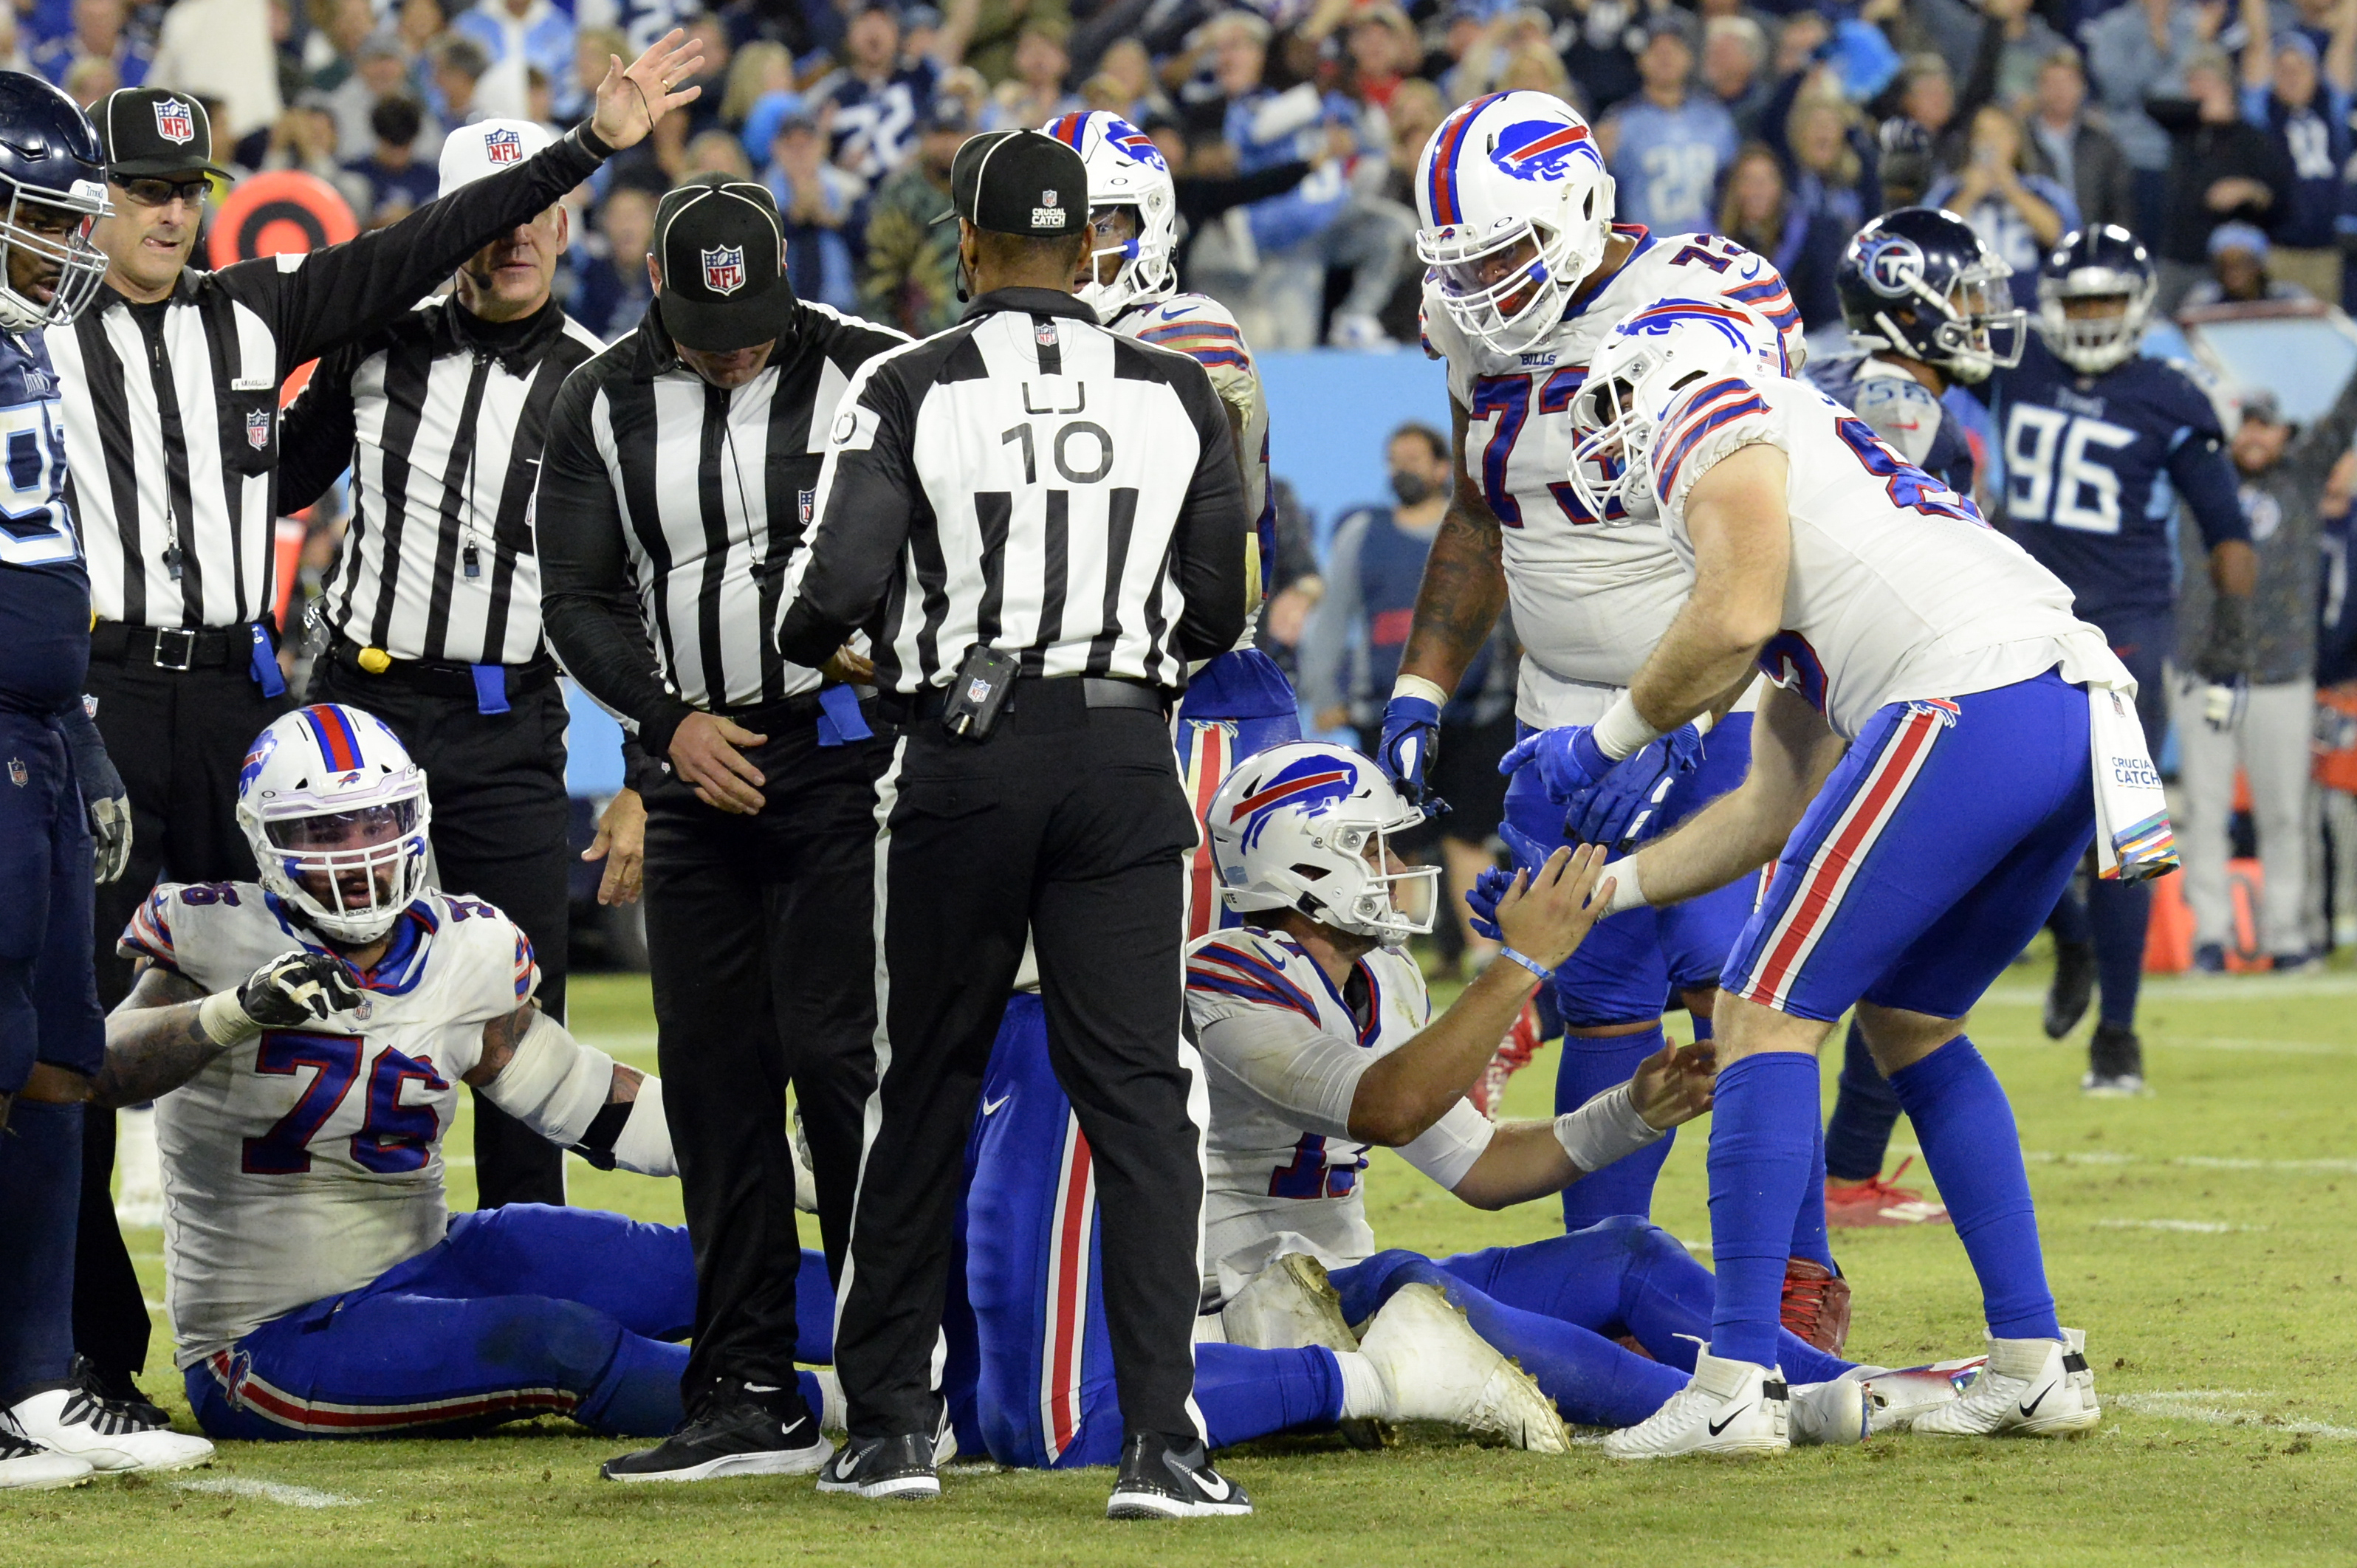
pixel 1589 600
pixel 307 1162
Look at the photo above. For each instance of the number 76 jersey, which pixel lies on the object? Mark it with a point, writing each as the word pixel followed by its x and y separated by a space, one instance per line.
pixel 307 1162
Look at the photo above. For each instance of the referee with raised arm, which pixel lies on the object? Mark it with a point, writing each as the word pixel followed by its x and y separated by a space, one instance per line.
pixel 677 481
pixel 432 607
pixel 1039 523
pixel 171 406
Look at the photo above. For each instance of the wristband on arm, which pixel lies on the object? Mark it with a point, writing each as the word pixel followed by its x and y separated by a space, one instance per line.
pixel 1604 1130
pixel 1622 731
pixel 1418 686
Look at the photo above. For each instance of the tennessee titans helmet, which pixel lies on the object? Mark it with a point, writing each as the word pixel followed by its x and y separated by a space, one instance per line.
pixel 1125 169
pixel 1307 826
pixel 1637 374
pixel 53 180
pixel 1919 282
pixel 1515 210
pixel 337 813
pixel 2102 262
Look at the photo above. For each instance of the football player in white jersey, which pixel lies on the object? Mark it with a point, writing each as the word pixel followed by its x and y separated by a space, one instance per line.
pixel 1528 272
pixel 304 1038
pixel 1943 740
pixel 1240 702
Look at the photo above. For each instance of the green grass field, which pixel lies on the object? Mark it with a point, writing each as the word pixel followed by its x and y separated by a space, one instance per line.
pixel 2205 1237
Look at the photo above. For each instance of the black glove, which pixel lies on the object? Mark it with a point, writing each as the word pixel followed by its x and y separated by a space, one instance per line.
pixel 2226 656
pixel 296 988
pixel 103 796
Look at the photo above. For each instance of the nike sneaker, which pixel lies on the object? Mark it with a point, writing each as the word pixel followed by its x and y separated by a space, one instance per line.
pixel 2115 1063
pixel 1817 1305
pixel 26 1467
pixel 73 1422
pixel 1895 1397
pixel 1287 1305
pixel 740 1429
pixel 880 1468
pixel 2072 987
pixel 1436 1368
pixel 1879 1200
pixel 1162 1478
pixel 1827 1413
pixel 1728 1407
pixel 2032 1388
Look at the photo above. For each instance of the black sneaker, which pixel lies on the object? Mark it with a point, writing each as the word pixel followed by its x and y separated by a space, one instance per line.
pixel 121 1397
pixel 900 1466
pixel 2115 1062
pixel 738 1430
pixel 1159 1480
pixel 2073 988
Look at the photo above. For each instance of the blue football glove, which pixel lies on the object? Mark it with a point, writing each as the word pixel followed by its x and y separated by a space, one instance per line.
pixel 1492 885
pixel 1568 759
pixel 1628 801
pixel 1411 736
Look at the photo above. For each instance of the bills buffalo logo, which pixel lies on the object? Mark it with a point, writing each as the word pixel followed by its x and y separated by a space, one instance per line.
pixel 256 759
pixel 257 429
pixel 174 121
pixel 1314 784
pixel 1656 321
pixel 503 146
pixel 1542 149
pixel 724 269
pixel 1892 266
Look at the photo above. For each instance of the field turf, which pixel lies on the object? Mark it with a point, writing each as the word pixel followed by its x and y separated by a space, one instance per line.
pixel 2205 1237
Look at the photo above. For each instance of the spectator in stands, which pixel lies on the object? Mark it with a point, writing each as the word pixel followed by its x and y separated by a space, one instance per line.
pixel 222 50
pixel 518 35
pixel 380 72
pixel 1829 180
pixel 1414 114
pixel 99 33
pixel 2019 215
pixel 817 202
pixel 2241 271
pixel 911 281
pixel 1666 146
pixel 90 80
pixel 592 48
pixel 1735 69
pixel 1508 37
pixel 1131 70
pixel 1535 67
pixel 456 65
pixel 612 292
pixel 716 152
pixel 2068 146
pixel 2014 45
pixel 2306 112
pixel 2222 170
pixel 761 68
pixel 305 138
pixel 2135 51
pixel 1927 95
pixel 1905 163
pixel 1379 50
pixel 1035 94
pixel 997 28
pixel 1599 54
pixel 871 106
pixel 392 181
pixel 1759 213
pixel 340 27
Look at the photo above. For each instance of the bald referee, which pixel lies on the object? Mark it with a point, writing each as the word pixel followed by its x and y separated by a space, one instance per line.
pixel 1039 523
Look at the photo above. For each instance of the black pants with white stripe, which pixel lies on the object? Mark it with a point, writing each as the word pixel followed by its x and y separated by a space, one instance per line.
pixel 1069 822
pixel 761 934
pixel 497 784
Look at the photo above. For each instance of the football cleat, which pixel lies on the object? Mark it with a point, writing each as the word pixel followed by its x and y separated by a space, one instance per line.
pixel 26 1467
pixel 740 1431
pixel 1522 1042
pixel 1728 1407
pixel 2072 987
pixel 1879 1200
pixel 1289 1306
pixel 1817 1305
pixel 1828 1413
pixel 2115 1062
pixel 1895 1397
pixel 104 1435
pixel 1161 1479
pixel 1436 1368
pixel 2031 1387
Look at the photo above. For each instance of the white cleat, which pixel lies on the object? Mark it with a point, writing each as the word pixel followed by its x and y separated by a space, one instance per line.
pixel 70 1421
pixel 1827 1413
pixel 1436 1368
pixel 1728 1407
pixel 1289 1306
pixel 26 1467
pixel 1894 1398
pixel 2031 1387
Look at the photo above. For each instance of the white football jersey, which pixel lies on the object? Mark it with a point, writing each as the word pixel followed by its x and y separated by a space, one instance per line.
pixel 305 1163
pixel 1898 590
pixel 1283 1051
pixel 1589 601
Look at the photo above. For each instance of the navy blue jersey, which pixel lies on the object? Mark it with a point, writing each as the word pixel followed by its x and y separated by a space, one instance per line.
pixel 1904 412
pixel 2093 468
pixel 874 127
pixel 44 589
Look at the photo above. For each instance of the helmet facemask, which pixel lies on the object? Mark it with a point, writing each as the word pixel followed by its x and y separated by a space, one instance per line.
pixel 1134 267
pixel 62 243
pixel 1366 905
pixel 1508 288
pixel 2093 343
pixel 1979 329
pixel 352 870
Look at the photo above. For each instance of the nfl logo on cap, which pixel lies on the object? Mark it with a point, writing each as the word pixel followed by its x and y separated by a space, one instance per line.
pixel 503 146
pixel 257 429
pixel 724 269
pixel 174 122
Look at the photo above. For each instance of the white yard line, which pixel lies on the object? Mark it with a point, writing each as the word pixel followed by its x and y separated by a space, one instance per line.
pixel 2189 1161
pixel 2218 1407
pixel 2205 988
pixel 269 1492
pixel 2191 1226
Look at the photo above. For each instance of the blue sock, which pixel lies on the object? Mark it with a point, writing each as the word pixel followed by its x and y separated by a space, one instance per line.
pixel 1809 1225
pixel 1588 1068
pixel 2121 913
pixel 814 1312
pixel 40 1196
pixel 1763 1153
pixel 1857 1139
pixel 639 1394
pixel 1245 1393
pixel 2069 921
pixel 1973 1152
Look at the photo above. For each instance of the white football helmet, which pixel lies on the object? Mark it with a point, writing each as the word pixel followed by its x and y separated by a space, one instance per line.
pixel 1307 826
pixel 1125 169
pixel 1516 209
pixel 1638 372
pixel 337 814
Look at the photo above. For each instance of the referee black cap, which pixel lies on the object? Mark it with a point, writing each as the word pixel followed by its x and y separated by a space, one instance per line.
pixel 150 132
pixel 724 276
pixel 1020 182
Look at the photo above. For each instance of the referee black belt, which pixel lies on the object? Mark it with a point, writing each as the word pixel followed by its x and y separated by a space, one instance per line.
pixel 438 678
pixel 1096 691
pixel 176 648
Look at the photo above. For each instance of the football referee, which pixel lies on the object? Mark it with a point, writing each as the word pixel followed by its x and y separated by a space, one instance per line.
pixel 1040 522
pixel 171 408
pixel 679 471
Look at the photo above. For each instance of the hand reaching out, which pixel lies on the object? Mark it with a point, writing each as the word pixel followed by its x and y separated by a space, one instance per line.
pixel 634 98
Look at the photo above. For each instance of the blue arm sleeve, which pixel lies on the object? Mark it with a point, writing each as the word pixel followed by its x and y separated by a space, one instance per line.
pixel 2205 478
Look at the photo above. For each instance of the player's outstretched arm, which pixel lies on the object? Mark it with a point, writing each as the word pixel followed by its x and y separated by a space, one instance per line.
pixel 1742 537
pixel 1529 1160
pixel 575 1096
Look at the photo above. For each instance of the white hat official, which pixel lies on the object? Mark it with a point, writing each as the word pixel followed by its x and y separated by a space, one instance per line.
pixel 471 152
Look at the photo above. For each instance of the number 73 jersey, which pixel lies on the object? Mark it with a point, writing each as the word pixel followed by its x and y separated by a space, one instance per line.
pixel 305 1162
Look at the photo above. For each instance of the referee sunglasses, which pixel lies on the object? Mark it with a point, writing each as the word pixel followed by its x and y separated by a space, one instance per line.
pixel 149 191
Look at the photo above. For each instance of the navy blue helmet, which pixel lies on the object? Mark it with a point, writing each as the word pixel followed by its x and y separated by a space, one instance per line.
pixel 2105 262
pixel 1919 283
pixel 53 181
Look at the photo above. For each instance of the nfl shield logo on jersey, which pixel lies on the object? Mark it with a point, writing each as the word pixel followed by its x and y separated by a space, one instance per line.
pixel 503 146
pixel 174 122
pixel 16 772
pixel 724 269
pixel 257 429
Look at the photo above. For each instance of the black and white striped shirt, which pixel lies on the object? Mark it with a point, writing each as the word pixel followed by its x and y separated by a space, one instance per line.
pixel 1033 482
pixel 689 499
pixel 172 408
pixel 441 417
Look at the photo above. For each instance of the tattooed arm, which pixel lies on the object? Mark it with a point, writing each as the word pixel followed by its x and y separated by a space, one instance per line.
pixel 1464 586
pixel 502 1035
pixel 153 1041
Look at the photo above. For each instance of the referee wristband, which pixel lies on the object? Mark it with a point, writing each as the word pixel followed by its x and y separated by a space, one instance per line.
pixel 1527 962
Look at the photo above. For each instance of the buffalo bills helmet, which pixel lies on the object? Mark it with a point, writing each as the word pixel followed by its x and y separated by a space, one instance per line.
pixel 1516 209
pixel 1643 368
pixel 2104 263
pixel 1307 826
pixel 53 179
pixel 336 812
pixel 1125 170
pixel 1919 282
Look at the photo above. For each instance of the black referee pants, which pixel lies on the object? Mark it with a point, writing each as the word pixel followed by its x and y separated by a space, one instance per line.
pixel 178 738
pixel 761 935
pixel 496 783
pixel 1070 823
